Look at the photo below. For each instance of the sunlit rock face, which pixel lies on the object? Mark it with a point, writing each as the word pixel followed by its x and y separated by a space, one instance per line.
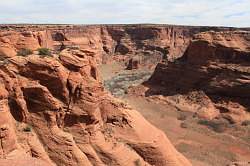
pixel 211 78
pixel 108 42
pixel 55 111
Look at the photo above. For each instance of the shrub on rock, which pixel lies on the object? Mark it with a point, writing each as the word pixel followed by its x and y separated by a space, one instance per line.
pixel 44 52
pixel 24 52
pixel 218 126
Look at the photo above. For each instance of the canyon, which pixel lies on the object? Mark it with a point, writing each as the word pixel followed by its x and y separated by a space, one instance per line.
pixel 97 98
pixel 212 76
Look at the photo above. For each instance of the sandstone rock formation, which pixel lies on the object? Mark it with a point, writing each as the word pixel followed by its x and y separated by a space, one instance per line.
pixel 153 42
pixel 11 42
pixel 55 111
pixel 212 78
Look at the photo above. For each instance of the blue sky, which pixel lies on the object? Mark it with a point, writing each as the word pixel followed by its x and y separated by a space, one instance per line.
pixel 187 12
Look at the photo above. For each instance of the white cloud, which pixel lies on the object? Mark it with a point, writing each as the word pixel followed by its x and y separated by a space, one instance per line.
pixel 191 12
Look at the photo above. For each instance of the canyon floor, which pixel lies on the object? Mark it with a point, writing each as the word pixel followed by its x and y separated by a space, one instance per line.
pixel 202 144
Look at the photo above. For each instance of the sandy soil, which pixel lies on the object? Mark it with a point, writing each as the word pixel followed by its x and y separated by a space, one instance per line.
pixel 198 143
pixel 108 71
pixel 201 145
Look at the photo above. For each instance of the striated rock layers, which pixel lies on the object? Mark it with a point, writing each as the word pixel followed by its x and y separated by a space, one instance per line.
pixel 119 42
pixel 55 111
pixel 212 78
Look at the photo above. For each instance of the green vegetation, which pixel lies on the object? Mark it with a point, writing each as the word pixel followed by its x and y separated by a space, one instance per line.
pixel 24 52
pixel 44 52
pixel 27 129
pixel 216 125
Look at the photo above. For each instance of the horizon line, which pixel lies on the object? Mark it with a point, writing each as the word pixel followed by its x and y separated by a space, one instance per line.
pixel 120 24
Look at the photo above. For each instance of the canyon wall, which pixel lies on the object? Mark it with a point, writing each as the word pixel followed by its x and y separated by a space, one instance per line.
pixel 55 111
pixel 109 42
pixel 212 78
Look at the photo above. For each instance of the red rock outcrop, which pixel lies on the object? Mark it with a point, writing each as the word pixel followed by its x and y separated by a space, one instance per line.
pixel 55 111
pixel 151 42
pixel 11 42
pixel 212 78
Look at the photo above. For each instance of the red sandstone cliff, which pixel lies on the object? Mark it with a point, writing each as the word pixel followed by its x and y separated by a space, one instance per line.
pixel 54 110
pixel 150 42
pixel 212 78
